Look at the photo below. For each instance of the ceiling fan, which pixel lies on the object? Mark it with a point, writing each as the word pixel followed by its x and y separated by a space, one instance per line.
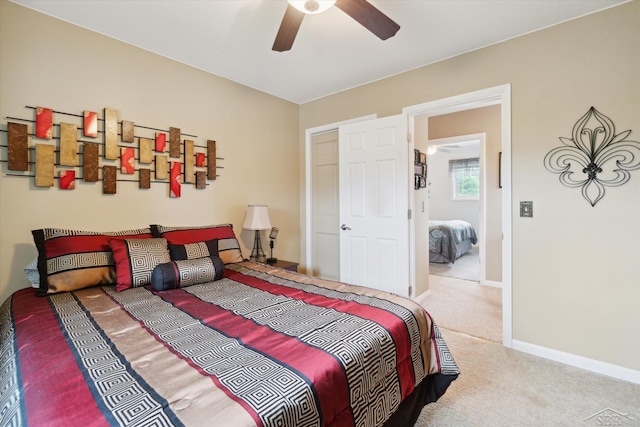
pixel 360 10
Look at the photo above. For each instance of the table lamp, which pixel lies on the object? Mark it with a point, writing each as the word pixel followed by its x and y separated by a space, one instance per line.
pixel 257 218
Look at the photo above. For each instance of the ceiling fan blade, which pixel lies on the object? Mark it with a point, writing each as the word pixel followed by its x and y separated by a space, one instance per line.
pixel 288 29
pixel 369 17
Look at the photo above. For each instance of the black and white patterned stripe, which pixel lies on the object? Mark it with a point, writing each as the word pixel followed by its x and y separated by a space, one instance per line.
pixel 80 261
pixel 12 413
pixel 144 256
pixel 52 233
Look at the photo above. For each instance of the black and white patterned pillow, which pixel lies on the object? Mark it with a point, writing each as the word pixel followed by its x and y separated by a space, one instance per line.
pixel 193 250
pixel 135 260
pixel 179 274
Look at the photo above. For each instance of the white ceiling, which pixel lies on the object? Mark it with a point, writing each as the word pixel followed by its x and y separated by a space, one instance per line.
pixel 332 52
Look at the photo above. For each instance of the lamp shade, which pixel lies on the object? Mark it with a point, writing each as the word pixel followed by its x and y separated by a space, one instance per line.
pixel 257 218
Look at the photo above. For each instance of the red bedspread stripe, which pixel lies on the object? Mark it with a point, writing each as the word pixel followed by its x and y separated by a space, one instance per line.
pixel 306 360
pixel 386 319
pixel 49 368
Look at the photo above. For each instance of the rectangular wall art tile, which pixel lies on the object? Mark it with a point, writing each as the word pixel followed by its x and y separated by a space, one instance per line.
pixel 162 167
pixel 68 144
pixel 211 155
pixel 174 181
pixel 174 143
pixel 189 162
pixel 67 179
pixel 127 131
pixel 90 124
pixel 109 179
pixel 127 160
pixel 45 156
pixel 90 162
pixel 18 148
pixel 144 178
pixel 44 122
pixel 161 142
pixel 146 150
pixel 111 134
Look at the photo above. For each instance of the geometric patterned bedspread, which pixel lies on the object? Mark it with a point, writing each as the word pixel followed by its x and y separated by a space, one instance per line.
pixel 261 347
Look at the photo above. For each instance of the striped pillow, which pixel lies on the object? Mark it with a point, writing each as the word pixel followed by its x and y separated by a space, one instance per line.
pixel 69 260
pixel 193 250
pixel 135 260
pixel 179 274
pixel 228 246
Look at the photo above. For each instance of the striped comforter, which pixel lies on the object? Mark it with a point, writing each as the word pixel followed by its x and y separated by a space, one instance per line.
pixel 261 347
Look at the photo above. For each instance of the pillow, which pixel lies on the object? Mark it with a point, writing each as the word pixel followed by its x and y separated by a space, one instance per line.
pixel 69 260
pixel 228 246
pixel 193 250
pixel 31 271
pixel 135 260
pixel 179 274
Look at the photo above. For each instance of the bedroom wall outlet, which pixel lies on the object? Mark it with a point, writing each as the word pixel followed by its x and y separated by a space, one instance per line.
pixel 526 209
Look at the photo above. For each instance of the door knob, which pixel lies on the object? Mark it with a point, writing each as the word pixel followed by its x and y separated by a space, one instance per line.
pixel 344 227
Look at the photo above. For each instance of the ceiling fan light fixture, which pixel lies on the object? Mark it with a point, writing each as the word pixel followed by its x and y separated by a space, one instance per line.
pixel 312 6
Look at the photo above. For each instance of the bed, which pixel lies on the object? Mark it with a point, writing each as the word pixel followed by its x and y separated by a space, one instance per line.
pixel 205 338
pixel 449 240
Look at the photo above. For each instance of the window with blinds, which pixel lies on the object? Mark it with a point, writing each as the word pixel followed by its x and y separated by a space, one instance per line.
pixel 465 178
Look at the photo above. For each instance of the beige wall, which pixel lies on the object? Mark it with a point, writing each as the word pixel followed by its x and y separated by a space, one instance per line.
pixel 44 61
pixel 481 120
pixel 575 269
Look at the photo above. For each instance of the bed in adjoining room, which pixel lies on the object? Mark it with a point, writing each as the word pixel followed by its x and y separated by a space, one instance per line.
pixel 170 326
pixel 449 240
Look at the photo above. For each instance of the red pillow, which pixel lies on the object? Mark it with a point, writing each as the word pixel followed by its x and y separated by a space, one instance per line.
pixel 69 260
pixel 228 246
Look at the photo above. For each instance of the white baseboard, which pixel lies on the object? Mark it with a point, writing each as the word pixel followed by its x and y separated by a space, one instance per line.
pixel 423 296
pixel 597 366
pixel 491 283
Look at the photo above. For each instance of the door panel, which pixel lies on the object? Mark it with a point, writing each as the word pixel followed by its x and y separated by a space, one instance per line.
pixel 374 186
pixel 325 209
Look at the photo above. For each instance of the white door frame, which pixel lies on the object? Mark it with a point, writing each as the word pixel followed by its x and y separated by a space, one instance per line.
pixel 307 237
pixel 482 98
pixel 482 223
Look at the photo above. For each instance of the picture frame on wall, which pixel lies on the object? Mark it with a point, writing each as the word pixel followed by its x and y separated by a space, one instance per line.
pixel 423 181
pixel 423 158
pixel 416 184
pixel 416 157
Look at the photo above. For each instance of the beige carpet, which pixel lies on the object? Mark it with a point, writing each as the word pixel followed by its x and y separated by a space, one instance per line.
pixel 466 267
pixel 498 386
pixel 503 387
pixel 465 306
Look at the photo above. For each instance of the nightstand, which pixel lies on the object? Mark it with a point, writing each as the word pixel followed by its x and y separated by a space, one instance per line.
pixel 286 265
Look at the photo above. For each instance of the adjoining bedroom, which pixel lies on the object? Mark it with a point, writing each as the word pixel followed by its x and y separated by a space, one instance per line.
pixel 216 213
pixel 464 202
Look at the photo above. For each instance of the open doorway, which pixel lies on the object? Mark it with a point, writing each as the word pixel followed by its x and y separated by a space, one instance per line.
pixel 425 122
pixel 455 190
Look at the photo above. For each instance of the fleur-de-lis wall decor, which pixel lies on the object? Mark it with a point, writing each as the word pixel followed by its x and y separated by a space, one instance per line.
pixel 594 157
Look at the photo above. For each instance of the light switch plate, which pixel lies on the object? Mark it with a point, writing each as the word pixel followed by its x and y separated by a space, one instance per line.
pixel 526 209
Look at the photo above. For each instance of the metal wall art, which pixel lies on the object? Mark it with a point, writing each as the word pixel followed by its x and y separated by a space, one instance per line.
pixel 594 157
pixel 138 150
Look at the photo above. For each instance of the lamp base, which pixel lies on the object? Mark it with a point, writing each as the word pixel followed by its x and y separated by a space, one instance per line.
pixel 257 254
